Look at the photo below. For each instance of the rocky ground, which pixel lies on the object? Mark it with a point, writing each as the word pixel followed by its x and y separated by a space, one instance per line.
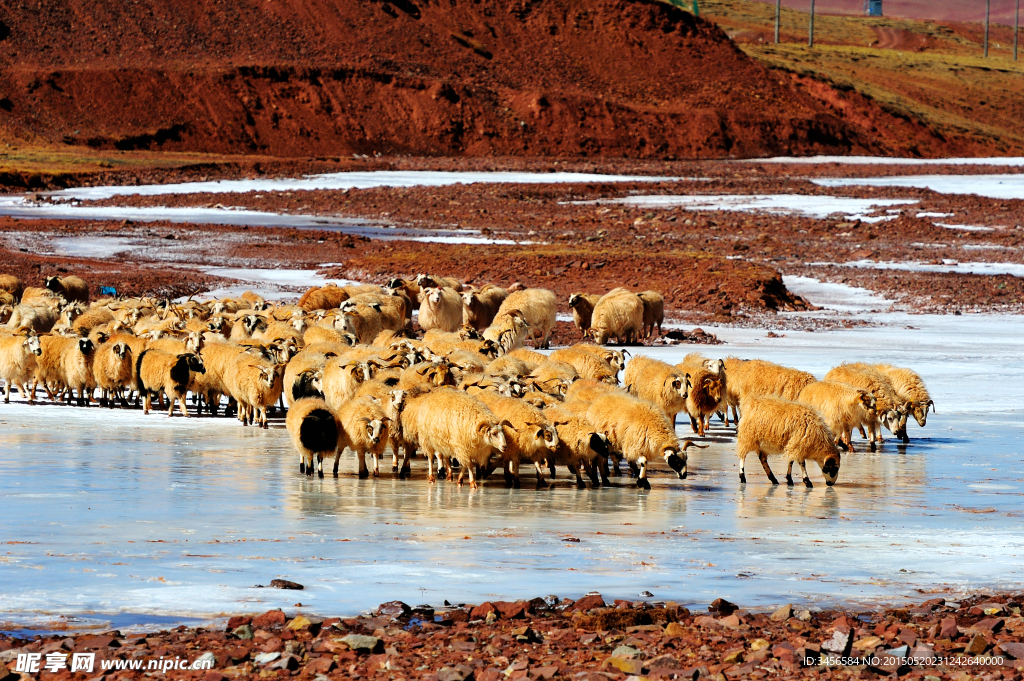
pixel 977 638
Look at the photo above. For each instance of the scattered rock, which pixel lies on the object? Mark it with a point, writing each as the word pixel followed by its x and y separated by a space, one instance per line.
pixel 285 584
pixel 265 658
pixel 269 619
pixel 840 643
pixel 804 615
pixel 393 609
pixel 722 607
pixel 363 644
pixel 625 651
pixel 977 646
pixel 783 613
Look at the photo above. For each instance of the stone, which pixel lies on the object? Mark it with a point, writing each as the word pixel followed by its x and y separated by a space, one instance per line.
pixel 1013 649
pixel 948 628
pixel 804 615
pixel 285 584
pixel 265 658
pixel 455 616
pixel 733 656
pixel 481 611
pixel 868 643
pixel 625 665
pixel 705 621
pixel 840 643
pixel 902 651
pixel 759 644
pixel 455 674
pixel 270 618
pixel 298 623
pixel 923 652
pixel 287 662
pixel 363 644
pixel 393 609
pixel 908 636
pixel 625 651
pixel 235 622
pixel 543 673
pixel 320 665
pixel 934 603
pixel 675 630
pixel 977 646
pixel 730 622
pixel 722 607
pixel 243 632
pixel 589 602
pixel 841 624
pixel 209 676
pixel 94 642
pixel 989 624
pixel 491 618
pixel 206 658
pixel 783 613
pixel 784 648
pixel 511 611
pixel 663 662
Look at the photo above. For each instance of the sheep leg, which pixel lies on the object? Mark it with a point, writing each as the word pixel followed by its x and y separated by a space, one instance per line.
pixel 376 466
pixel 182 407
pixel 768 471
pixel 807 479
pixel 363 471
pixel 634 470
pixel 789 474
pixel 309 467
pixel 551 467
pixel 7 394
pixel 302 464
pixel 146 402
pixel 472 478
pixel 579 478
pixel 541 484
pixel 430 468
pixel 320 466
pixel 641 481
pixel 337 460
pixel 515 474
pixel 405 470
pixel 743 475
pixel 693 425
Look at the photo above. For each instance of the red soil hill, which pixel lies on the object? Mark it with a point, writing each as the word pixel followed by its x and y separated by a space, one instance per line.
pixel 421 77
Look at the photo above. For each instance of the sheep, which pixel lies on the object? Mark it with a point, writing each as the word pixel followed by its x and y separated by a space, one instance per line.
pixel 616 359
pixel 364 430
pixel 772 426
pixel 363 321
pixel 41 316
pixel 303 376
pixel 72 289
pixel 65 363
pixel 323 298
pixel 480 307
pixel 578 446
pixel 586 363
pixel 659 383
pixel 507 365
pixel 341 379
pixel 90 319
pixel 618 314
pixel 537 307
pixel 409 290
pixel 530 436
pixel 552 377
pixel 529 356
pixel 759 378
pixel 112 371
pixel 582 306
pixel 654 312
pixel 842 407
pixel 507 331
pixel 18 355
pixel 440 308
pixel 34 295
pixel 588 389
pixel 433 281
pixel 448 423
pixel 161 371
pixel 706 395
pixel 315 431
pixel 426 374
pixel 13 285
pixel 639 431
pixel 889 411
pixel 909 388
pixel 255 384
pixel 392 309
pixel 245 327
pixel 391 401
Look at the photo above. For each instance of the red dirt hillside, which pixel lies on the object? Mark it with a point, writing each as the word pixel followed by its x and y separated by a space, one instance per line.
pixel 458 77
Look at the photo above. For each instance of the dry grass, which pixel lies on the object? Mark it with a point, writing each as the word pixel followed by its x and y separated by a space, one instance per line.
pixel 937 74
pixel 72 160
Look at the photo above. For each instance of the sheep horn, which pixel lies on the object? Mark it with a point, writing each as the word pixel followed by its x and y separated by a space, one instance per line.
pixel 687 444
pixel 931 403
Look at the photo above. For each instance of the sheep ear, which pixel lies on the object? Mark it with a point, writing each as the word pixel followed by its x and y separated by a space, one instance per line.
pixel 931 403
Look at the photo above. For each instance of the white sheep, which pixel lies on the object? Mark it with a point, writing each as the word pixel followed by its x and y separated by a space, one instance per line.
pixel 18 355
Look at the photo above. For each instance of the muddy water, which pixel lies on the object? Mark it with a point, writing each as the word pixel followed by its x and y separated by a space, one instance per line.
pixel 127 517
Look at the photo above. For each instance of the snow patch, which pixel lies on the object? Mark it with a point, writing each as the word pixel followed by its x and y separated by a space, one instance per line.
pixel 819 207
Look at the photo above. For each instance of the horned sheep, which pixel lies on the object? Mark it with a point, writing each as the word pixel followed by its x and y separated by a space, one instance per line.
pixel 842 406
pixel 618 314
pixel 480 307
pixel 72 289
pixel 582 306
pixel 654 312
pixel 538 307
pixel 659 383
pixel 159 371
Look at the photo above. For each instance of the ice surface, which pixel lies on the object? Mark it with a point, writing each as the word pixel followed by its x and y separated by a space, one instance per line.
pixel 354 180
pixel 819 207
pixel 298 279
pixel 965 228
pixel 990 186
pixel 131 515
pixel 1015 161
pixel 983 268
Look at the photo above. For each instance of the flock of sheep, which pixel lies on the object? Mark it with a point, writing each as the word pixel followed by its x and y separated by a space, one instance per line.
pixel 467 395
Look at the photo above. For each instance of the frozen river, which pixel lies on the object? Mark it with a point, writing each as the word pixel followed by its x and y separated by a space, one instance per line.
pixel 113 516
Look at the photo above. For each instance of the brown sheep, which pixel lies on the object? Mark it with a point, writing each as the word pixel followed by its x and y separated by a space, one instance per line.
pixel 13 285
pixel 619 314
pixel 112 372
pixel 18 355
pixel 654 312
pixel 163 372
pixel 480 307
pixel 72 289
pixel 659 383
pixel 323 298
pixel 538 307
pixel 582 306
pixel 842 406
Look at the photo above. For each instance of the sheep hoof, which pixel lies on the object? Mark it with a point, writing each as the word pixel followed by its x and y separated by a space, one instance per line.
pixel 906 440
pixel 375 474
pixel 789 480
pixel 582 485
pixel 807 481
pixel 431 479
pixel 394 469
pixel 773 479
pixel 302 468
pixel 320 474
pixel 874 447
pixel 643 484
pixel 743 478
pixel 335 473
pixel 515 484
pixel 541 484
pixel 364 474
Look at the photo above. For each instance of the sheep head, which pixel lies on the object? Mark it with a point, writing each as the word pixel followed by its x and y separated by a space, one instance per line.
pixel 85 346
pixel 31 343
pixel 920 411
pixel 676 459
pixel 194 363
pixel 494 435
pixel 375 428
pixel 830 468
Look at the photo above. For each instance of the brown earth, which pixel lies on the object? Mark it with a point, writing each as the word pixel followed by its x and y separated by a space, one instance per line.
pixel 585 639
pixel 313 78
